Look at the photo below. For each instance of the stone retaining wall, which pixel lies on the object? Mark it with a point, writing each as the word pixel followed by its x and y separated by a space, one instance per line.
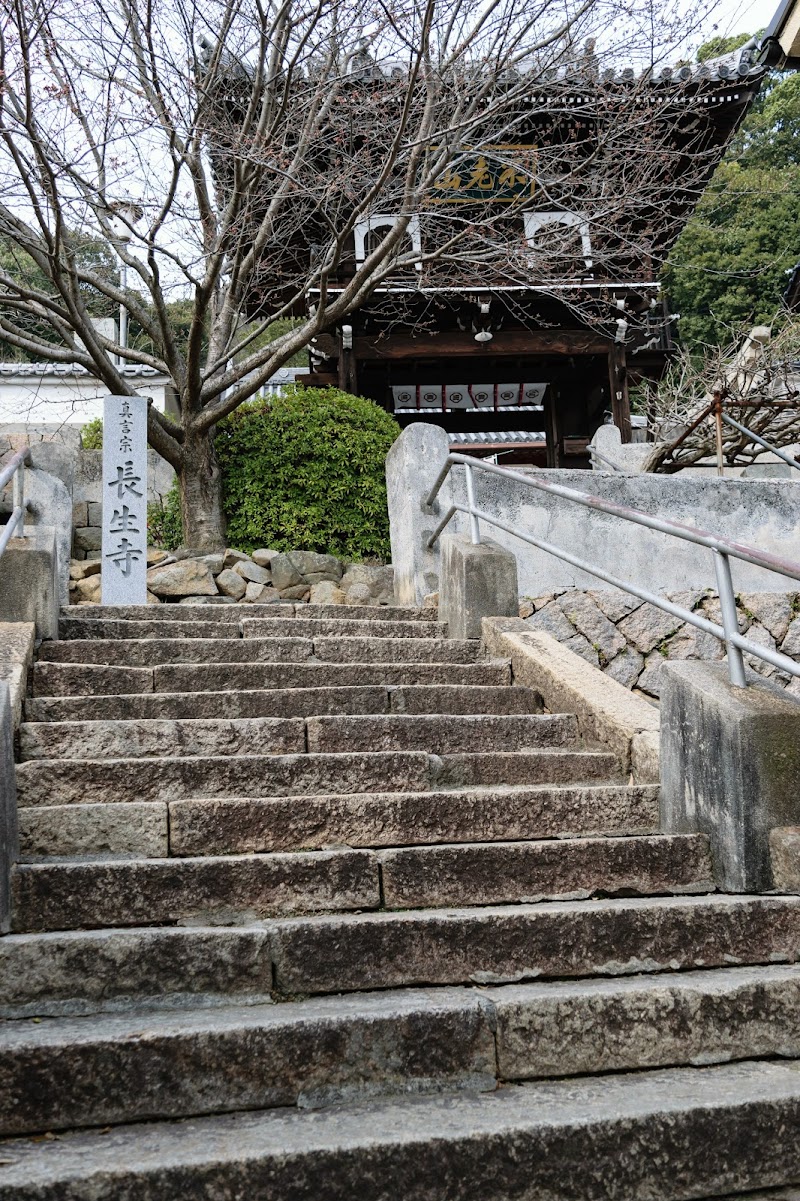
pixel 630 641
pixel 263 577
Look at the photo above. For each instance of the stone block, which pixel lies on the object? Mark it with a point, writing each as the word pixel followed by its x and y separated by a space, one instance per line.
pixel 326 592
pixel 89 538
pixel 29 583
pixel 477 581
pixel 284 573
pixel 647 626
pixel 50 507
pixel 730 767
pixel 784 852
pixel 9 834
pixel 298 592
pixel 252 572
pixel 608 714
pixel 189 577
pixel 646 757
pixel 626 667
pixel 263 557
pixel 232 557
pixel 412 465
pixel 590 621
pixel 80 514
pixel 16 656
pixel 87 567
pixel 510 873
pixel 95 512
pixel 94 830
pixel 53 896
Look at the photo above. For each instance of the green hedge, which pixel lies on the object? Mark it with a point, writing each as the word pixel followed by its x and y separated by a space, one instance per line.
pixel 305 471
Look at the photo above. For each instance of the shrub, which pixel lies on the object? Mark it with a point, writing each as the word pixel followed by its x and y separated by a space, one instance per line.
pixel 164 525
pixel 305 470
pixel 92 434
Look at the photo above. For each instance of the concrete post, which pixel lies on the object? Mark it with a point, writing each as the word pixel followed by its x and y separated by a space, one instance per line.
pixel 475 582
pixel 29 587
pixel 412 465
pixel 9 838
pixel 730 767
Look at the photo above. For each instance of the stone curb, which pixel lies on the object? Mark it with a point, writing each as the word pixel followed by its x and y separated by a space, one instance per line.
pixel 607 713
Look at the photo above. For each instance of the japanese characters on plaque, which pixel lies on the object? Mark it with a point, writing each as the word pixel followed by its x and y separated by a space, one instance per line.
pixel 124 571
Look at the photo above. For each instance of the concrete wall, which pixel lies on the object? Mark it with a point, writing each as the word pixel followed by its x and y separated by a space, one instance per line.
pixel 762 512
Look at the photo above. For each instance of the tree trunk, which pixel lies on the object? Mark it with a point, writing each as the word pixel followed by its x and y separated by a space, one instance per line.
pixel 201 494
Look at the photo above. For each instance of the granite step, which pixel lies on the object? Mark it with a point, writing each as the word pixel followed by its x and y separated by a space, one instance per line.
pixel 235 889
pixel 255 825
pixel 197 647
pixel 78 781
pixel 231 626
pixel 667 1135
pixel 230 890
pixel 200 611
pixel 95 971
pixel 99 781
pixel 157 738
pixel 52 679
pixel 441 734
pixel 250 825
pixel 163 737
pixel 180 677
pixel 157 1064
pixel 289 702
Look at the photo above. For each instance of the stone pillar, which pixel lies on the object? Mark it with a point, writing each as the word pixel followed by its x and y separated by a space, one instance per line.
pixel 29 586
pixel 730 767
pixel 476 582
pixel 412 465
pixel 9 838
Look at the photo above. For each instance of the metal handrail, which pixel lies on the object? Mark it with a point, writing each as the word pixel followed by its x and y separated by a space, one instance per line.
pixel 15 470
pixel 761 441
pixel 598 454
pixel 722 548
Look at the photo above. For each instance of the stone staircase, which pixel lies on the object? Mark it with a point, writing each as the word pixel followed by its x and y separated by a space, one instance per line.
pixel 315 903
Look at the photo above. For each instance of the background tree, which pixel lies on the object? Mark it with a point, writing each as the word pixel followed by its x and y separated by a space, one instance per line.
pixel 729 267
pixel 757 381
pixel 205 146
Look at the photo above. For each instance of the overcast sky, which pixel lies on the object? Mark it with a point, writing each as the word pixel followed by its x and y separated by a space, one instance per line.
pixel 740 16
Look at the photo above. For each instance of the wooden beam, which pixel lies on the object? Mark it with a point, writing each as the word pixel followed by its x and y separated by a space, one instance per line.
pixel 517 342
pixel 618 384
pixel 552 431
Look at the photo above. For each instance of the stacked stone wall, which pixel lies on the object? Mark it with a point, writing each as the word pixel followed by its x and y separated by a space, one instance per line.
pixel 261 578
pixel 630 641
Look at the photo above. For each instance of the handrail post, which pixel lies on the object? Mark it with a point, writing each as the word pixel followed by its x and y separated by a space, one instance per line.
pixel 474 527
pixel 18 499
pixel 730 621
pixel 718 424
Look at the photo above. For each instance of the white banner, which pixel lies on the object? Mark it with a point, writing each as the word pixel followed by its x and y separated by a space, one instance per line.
pixel 124 572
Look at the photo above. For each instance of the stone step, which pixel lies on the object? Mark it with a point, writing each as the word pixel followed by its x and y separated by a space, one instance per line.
pixel 157 738
pixel 254 825
pixel 524 768
pixel 288 702
pixel 503 873
pixel 160 738
pixel 667 1135
pixel 222 676
pixel 98 1070
pixel 235 612
pixel 96 781
pixel 441 734
pixel 231 626
pixel 93 971
pixel 184 648
pixel 251 825
pixel 77 679
pixel 232 890
pixel 240 888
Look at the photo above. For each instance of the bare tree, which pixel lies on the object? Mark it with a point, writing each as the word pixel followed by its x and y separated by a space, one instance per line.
pixel 755 380
pixel 232 152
